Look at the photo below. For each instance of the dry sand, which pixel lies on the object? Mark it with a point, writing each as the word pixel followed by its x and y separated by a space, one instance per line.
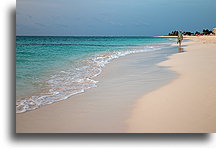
pixel 187 104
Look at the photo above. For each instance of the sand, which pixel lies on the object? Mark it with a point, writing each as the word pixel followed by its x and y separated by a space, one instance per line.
pixel 187 104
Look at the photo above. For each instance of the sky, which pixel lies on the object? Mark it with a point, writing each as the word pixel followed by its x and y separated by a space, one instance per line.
pixel 112 17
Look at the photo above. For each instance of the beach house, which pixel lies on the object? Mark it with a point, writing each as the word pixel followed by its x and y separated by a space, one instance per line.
pixel 214 31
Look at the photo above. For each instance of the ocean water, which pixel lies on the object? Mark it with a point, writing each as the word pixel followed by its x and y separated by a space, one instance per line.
pixel 51 69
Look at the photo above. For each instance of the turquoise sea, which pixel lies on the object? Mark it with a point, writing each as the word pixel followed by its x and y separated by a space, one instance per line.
pixel 53 68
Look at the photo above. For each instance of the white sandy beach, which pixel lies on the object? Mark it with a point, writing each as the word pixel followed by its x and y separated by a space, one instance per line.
pixel 187 104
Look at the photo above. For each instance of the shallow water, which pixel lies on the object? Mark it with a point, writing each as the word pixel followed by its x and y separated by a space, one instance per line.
pixel 51 69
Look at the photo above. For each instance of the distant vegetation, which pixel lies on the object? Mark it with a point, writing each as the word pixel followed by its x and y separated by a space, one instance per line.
pixel 204 32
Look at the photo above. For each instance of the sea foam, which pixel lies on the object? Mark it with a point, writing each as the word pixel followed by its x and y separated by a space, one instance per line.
pixel 68 83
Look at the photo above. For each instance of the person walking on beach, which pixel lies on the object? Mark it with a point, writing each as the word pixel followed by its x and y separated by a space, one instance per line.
pixel 180 38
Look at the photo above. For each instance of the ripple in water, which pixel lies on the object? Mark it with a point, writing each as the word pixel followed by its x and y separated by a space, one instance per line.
pixel 67 83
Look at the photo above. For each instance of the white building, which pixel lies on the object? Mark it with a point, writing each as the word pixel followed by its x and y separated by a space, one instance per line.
pixel 214 31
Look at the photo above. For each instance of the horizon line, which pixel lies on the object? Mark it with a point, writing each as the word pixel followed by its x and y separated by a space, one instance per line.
pixel 93 35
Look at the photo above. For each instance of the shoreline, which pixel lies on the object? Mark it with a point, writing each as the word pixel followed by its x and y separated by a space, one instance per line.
pixel 85 74
pixel 187 104
pixel 103 109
